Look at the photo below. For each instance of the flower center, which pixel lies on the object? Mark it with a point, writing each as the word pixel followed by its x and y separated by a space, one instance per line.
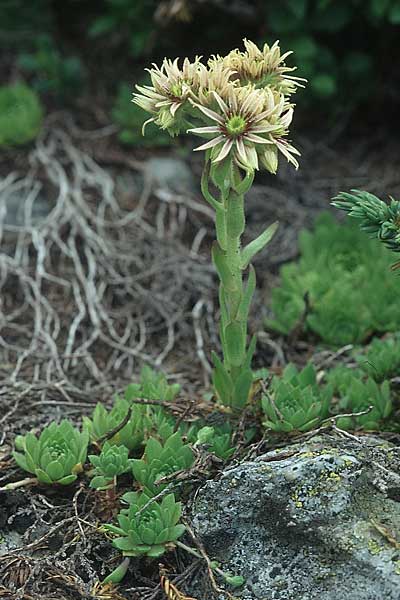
pixel 235 125
pixel 177 90
pixel 57 449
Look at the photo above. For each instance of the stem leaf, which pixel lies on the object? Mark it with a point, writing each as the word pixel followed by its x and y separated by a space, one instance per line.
pixel 221 174
pixel 258 244
pixel 222 382
pixel 235 343
pixel 242 388
pixel 250 351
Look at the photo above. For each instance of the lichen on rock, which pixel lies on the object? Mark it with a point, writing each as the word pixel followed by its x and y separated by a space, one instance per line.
pixel 318 520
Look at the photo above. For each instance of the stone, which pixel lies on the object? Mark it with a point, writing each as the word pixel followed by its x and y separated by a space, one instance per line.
pixel 171 173
pixel 318 519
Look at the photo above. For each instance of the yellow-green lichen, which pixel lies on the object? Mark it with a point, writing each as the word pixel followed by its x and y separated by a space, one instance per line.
pixel 374 548
pixel 397 567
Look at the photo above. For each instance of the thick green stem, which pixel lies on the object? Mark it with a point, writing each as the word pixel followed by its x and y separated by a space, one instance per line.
pixel 234 370
pixel 234 226
pixel 233 377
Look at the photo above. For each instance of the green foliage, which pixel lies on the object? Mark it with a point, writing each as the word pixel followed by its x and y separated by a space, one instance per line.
pixel 129 117
pixel 52 72
pixel 144 420
pixel 352 292
pixel 217 443
pixel 132 435
pixel 314 30
pixel 378 219
pixel 161 460
pixel 296 402
pixel 21 21
pixel 381 359
pixel 340 378
pixel 109 464
pixel 133 21
pixel 147 531
pixel 358 396
pixel 21 115
pixel 57 456
pixel 153 385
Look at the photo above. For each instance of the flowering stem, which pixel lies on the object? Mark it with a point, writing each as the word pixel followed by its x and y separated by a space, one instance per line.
pixel 232 378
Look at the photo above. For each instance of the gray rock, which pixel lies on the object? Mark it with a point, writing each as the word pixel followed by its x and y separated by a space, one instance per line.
pixel 170 172
pixel 319 519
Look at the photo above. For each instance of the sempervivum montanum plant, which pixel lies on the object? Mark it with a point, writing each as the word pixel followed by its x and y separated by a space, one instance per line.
pixel 381 359
pixel 147 528
pixel 108 465
pixel 296 402
pixel 103 422
pixel 159 461
pixel 244 114
pixel 56 456
pixel 366 396
pixel 219 444
pixel 143 420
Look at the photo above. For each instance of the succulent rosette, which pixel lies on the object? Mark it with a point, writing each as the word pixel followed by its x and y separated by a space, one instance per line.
pixel 147 528
pixel 161 460
pixel 109 464
pixel 56 456
pixel 103 422
pixel 369 397
pixel 296 401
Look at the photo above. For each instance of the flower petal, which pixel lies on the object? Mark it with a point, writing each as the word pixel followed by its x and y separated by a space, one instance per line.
pixel 174 108
pixel 251 137
pixel 209 113
pixel 220 102
pixel 210 144
pixel 211 129
pixel 287 118
pixel 226 148
pixel 264 128
pixel 241 150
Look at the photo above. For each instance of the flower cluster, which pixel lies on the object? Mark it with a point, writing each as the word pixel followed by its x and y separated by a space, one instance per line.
pixel 239 103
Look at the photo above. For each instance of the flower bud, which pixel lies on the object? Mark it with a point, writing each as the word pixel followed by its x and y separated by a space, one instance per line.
pixel 269 159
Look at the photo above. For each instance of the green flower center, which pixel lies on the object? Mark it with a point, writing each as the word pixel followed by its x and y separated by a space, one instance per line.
pixel 57 449
pixel 235 125
pixel 177 90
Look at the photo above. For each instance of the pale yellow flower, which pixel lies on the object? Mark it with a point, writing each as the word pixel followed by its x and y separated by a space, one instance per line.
pixel 247 124
pixel 264 67
pixel 216 78
pixel 171 88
